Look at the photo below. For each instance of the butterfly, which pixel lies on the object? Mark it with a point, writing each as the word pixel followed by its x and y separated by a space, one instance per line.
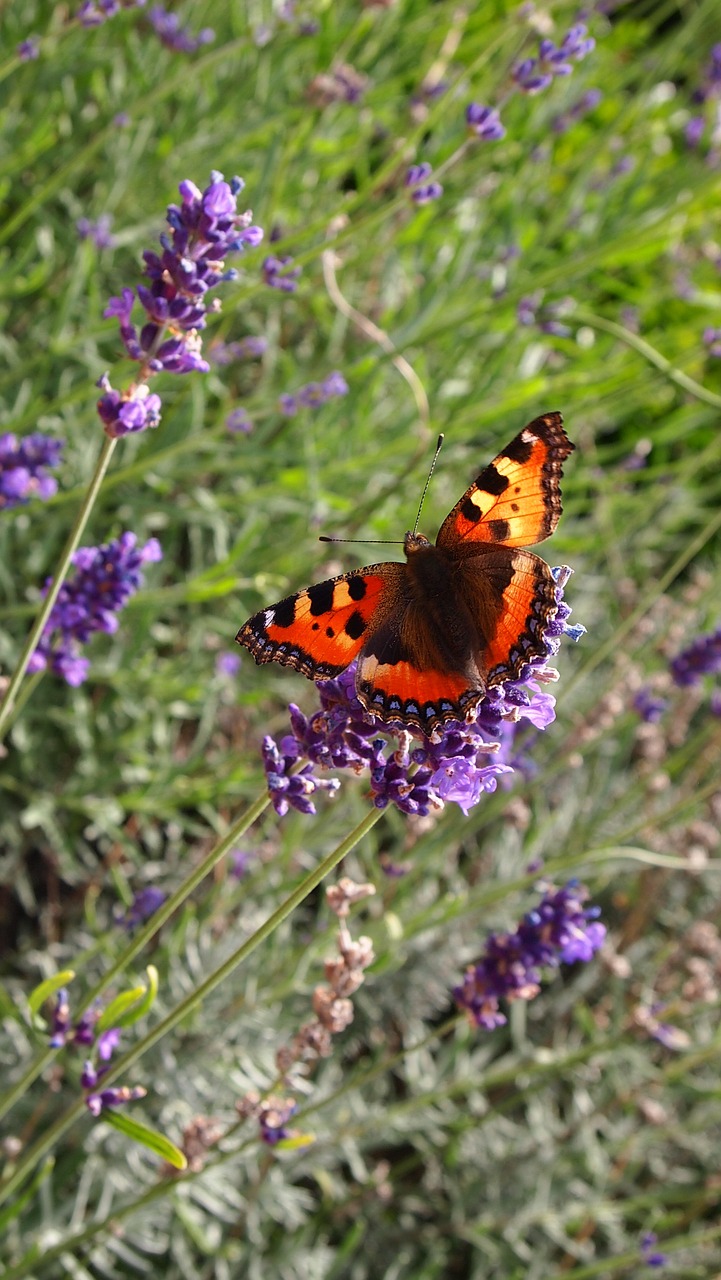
pixel 433 634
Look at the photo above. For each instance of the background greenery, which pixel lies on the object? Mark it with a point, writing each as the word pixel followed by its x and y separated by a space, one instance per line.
pixel 548 1147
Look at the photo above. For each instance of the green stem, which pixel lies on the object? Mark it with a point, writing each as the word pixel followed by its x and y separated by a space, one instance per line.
pixel 144 935
pixel 176 1015
pixel 71 545
pixel 649 353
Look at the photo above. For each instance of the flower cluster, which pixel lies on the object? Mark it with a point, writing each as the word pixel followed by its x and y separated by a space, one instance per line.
pixel 239 422
pixel 547 317
pixel 313 394
pixel 272 1114
pixel 712 340
pixel 204 228
pixel 29 49
pixel 710 86
pixel 702 658
pixel 279 273
pixel 341 84
pixel 24 468
pixel 585 104
pixel 532 75
pixel 102 1045
pixel 223 353
pixel 333 1012
pixel 289 787
pixel 175 37
pixel 105 579
pixel 652 1256
pixel 93 13
pixel 99 231
pixel 144 905
pixel 560 930
pixel 457 765
pixel 420 189
pixel 484 122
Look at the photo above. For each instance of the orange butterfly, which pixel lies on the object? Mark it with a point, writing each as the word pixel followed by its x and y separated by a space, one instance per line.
pixel 432 634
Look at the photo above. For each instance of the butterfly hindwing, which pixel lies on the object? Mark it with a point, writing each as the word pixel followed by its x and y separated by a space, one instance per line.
pixel 320 630
pixel 514 614
pixel 516 500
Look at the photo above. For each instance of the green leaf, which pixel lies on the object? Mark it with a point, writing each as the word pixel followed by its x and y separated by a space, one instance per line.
pixel 44 990
pixel 298 1141
pixel 147 1137
pixel 116 1014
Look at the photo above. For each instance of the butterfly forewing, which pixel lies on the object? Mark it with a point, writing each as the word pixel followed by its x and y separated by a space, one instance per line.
pixel 516 500
pixel 319 631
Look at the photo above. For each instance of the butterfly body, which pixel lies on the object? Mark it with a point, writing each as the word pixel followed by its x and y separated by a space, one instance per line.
pixel 433 634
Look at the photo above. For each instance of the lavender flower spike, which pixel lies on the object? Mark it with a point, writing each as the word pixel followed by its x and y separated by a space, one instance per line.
pixel 24 466
pixel 205 227
pixel 484 122
pixel 559 930
pixel 105 579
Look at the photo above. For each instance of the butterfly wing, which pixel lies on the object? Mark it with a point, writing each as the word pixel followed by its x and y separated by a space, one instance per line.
pixel 320 630
pixel 512 596
pixel 516 500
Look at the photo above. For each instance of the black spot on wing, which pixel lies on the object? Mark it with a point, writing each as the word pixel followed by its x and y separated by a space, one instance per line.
pixel 355 626
pixel 491 481
pixel 519 450
pixel 284 612
pixel 499 530
pixel 470 511
pixel 356 588
pixel 321 598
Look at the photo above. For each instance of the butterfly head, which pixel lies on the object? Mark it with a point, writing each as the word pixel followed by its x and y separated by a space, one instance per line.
pixel 414 542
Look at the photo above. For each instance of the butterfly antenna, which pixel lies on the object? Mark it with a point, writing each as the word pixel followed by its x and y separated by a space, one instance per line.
pixel 439 446
pixel 375 542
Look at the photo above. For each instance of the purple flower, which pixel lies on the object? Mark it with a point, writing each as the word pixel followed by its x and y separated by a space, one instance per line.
pixel 116 1097
pixel 28 49
pixel 240 860
pixel 24 468
pixel 227 664
pixel 125 413
pixel 699 659
pixel 650 1255
pixel 93 13
pixel 710 86
pixel 205 227
pixel 649 706
pixel 694 130
pixel 484 122
pixel 586 103
pixel 98 231
pixel 460 764
pixel 273 1122
pixel 238 422
pixel 279 274
pixel 421 190
pixel 107 1043
pixel 224 353
pixel 313 394
pixel 175 37
pixel 60 1024
pixel 559 930
pixel 291 788
pixel 144 905
pixel 712 340
pixel 532 75
pixel 105 579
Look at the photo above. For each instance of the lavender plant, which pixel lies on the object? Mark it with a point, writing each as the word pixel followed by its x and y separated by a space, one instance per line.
pixel 317 1097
